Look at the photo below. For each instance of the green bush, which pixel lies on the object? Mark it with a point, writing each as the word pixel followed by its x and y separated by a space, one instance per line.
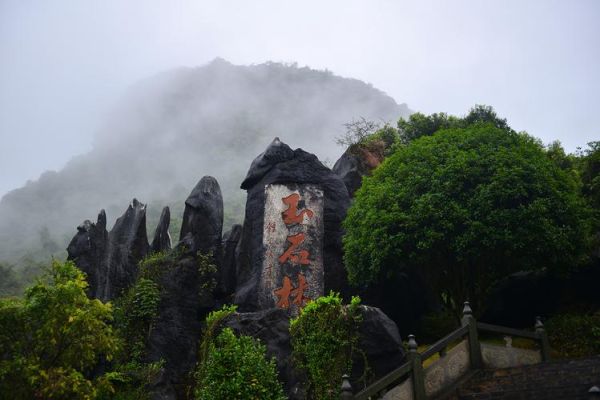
pixel 324 338
pixel 52 339
pixel 574 335
pixel 236 368
pixel 213 319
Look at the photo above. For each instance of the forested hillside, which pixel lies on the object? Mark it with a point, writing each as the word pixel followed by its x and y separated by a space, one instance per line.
pixel 174 128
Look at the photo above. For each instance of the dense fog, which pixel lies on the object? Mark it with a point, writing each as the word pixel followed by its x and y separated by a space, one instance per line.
pixel 172 129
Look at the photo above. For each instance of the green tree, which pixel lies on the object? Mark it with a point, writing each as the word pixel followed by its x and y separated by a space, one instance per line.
pixel 466 206
pixel 590 173
pixel 52 339
pixel 237 368
pixel 419 124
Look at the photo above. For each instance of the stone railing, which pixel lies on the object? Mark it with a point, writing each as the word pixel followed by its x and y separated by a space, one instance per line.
pixel 414 380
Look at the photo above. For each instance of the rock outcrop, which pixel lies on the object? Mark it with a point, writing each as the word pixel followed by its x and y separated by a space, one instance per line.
pixel 380 343
pixel 128 244
pixel 279 164
pixel 357 162
pixel 110 260
pixel 202 224
pixel 162 238
pixel 88 250
pixel 176 329
pixel 227 270
pixel 185 294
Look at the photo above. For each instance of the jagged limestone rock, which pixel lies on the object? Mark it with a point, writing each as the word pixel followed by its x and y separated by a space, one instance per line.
pixel 88 250
pixel 110 260
pixel 227 272
pixel 202 224
pixel 162 238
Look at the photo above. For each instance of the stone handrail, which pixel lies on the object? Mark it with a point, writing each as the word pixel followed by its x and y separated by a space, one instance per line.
pixel 412 381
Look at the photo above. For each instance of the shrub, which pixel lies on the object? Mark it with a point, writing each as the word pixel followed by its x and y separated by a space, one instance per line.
pixel 574 335
pixel 236 368
pixel 213 319
pixel 324 338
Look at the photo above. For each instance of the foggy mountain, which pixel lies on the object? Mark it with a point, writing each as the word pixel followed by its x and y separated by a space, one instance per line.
pixel 172 129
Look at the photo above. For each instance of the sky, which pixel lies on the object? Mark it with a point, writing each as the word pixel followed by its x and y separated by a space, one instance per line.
pixel 64 64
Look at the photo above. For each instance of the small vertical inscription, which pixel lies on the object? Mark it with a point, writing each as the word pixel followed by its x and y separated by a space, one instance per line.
pixel 293 246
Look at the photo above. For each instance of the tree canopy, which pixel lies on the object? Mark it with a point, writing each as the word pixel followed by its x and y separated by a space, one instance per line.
pixel 467 206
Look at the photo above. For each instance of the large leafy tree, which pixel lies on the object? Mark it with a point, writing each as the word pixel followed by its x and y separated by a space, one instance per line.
pixel 466 206
pixel 418 124
pixel 51 340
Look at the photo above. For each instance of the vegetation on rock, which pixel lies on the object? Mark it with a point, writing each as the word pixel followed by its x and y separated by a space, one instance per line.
pixel 324 338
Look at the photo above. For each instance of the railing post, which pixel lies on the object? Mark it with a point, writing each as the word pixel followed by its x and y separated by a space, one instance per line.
pixel 418 375
pixel 346 393
pixel 544 344
pixel 474 347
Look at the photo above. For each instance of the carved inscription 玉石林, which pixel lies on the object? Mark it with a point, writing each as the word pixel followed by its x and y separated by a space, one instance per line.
pixel 293 246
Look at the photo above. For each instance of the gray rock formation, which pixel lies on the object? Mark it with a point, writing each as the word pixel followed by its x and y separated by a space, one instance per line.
pixel 88 250
pixel 184 297
pixel 128 244
pixel 279 164
pixel 202 224
pixel 356 162
pixel 380 342
pixel 176 330
pixel 110 259
pixel 272 328
pixel 162 238
pixel 227 269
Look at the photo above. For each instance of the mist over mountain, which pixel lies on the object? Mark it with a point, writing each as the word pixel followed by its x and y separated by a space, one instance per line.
pixel 174 128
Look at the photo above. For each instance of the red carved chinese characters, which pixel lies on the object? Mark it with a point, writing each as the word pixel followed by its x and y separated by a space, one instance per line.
pixel 289 215
pixel 284 293
pixel 287 290
pixel 298 292
pixel 295 257
pixel 293 254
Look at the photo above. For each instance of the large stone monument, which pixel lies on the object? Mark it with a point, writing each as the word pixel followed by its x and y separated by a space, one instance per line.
pixel 290 250
pixel 292 270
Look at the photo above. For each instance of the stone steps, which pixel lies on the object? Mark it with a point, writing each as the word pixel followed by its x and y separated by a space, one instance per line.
pixel 554 380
